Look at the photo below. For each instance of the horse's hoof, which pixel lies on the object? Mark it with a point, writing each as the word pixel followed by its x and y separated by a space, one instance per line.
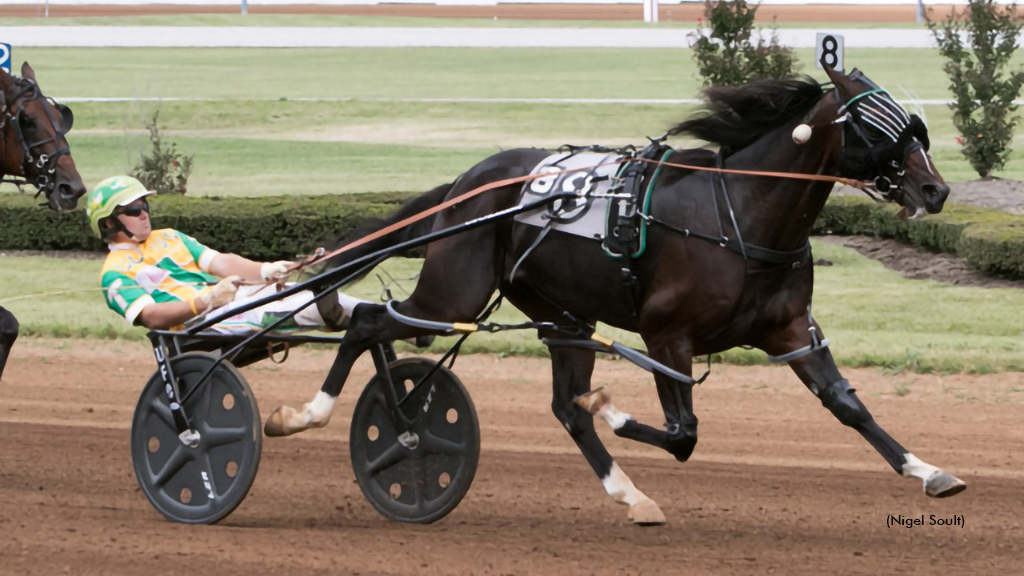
pixel 594 400
pixel 646 513
pixel 942 484
pixel 275 426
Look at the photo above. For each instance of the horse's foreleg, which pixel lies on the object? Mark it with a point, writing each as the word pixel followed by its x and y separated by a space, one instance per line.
pixel 8 334
pixel 819 373
pixel 571 372
pixel 680 436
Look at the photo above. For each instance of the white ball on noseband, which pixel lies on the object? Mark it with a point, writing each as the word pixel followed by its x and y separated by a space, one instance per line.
pixel 801 134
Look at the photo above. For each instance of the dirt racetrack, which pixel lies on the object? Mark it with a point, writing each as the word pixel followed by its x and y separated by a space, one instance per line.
pixel 776 485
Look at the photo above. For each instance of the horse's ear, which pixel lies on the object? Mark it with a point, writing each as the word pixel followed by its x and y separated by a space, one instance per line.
pixel 847 88
pixel 27 72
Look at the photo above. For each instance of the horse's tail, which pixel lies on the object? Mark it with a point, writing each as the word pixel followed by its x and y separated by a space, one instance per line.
pixel 417 229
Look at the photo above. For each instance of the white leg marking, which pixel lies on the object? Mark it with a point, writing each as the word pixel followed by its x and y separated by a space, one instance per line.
pixel 318 412
pixel 915 467
pixel 621 488
pixel 615 418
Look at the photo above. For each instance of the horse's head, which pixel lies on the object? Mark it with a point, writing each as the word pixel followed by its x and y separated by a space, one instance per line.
pixel 32 133
pixel 883 144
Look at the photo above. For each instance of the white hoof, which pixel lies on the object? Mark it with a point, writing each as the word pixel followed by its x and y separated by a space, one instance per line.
pixel 937 482
pixel 646 513
pixel 942 484
pixel 281 422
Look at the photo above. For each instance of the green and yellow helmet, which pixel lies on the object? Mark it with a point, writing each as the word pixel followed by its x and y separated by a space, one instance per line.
pixel 108 195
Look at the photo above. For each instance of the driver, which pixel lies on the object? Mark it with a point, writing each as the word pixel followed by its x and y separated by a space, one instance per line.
pixel 164 279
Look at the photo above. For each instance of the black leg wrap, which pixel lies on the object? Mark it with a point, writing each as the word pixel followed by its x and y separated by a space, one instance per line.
pixel 8 334
pixel 841 399
pixel 681 444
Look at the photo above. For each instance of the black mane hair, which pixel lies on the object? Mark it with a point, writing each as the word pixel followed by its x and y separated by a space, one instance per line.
pixel 736 116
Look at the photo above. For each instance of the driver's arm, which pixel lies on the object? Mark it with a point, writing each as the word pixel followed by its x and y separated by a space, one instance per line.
pixel 167 315
pixel 224 265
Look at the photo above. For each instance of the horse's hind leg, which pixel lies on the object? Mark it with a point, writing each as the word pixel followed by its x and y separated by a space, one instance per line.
pixel 456 282
pixel 680 436
pixel 819 373
pixel 8 334
pixel 571 371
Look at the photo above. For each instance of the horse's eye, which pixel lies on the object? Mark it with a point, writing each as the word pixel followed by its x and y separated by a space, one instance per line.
pixel 27 122
pixel 894 164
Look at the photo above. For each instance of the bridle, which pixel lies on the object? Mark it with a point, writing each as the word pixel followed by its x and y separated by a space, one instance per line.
pixel 41 167
pixel 875 110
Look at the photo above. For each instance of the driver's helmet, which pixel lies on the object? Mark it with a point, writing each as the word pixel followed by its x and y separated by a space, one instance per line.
pixel 107 196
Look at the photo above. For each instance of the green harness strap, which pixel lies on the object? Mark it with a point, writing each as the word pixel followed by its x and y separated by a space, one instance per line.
pixel 643 211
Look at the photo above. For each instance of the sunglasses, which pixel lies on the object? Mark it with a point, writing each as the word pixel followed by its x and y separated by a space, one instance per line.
pixel 134 209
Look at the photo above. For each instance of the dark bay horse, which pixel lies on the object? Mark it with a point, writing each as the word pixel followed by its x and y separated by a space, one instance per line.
pixel 35 151
pixel 697 297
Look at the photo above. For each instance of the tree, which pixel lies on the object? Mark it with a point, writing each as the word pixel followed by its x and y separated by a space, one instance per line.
pixel 983 88
pixel 724 52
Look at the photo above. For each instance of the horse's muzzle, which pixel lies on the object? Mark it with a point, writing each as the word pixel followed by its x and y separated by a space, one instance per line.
pixel 65 195
pixel 934 197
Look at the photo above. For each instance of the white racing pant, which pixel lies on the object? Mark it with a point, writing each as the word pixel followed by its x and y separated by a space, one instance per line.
pixel 308 318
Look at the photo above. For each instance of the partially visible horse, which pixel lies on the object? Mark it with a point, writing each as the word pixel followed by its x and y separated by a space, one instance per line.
pixel 35 151
pixel 695 297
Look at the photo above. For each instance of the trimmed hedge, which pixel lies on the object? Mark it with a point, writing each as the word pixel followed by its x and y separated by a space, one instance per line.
pixel 270 228
pixel 284 227
pixel 989 240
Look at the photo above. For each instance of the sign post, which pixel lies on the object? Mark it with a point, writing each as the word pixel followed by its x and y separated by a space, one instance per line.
pixel 829 51
pixel 5 57
pixel 650 11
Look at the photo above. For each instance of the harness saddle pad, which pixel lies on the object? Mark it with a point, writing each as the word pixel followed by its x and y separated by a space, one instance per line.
pixel 588 173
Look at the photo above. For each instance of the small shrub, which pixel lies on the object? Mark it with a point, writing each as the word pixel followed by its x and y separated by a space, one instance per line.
pixel 983 89
pixel 724 52
pixel 166 170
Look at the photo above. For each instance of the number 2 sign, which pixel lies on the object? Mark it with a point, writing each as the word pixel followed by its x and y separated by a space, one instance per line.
pixel 5 57
pixel 829 51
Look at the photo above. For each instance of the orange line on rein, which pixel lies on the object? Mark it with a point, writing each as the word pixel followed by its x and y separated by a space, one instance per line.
pixel 790 175
pixel 317 257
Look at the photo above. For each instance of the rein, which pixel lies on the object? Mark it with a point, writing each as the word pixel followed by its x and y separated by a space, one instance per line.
pixel 320 256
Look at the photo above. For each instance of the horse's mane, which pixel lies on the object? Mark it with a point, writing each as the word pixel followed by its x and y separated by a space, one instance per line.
pixel 737 116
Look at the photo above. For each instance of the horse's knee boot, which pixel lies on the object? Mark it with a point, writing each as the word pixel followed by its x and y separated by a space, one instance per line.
pixel 681 443
pixel 841 399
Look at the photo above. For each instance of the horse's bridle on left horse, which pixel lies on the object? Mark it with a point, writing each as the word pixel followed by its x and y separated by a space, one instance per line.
pixel 44 166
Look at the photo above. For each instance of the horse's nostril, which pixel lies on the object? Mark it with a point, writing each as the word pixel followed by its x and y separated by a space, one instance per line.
pixel 71 191
pixel 935 190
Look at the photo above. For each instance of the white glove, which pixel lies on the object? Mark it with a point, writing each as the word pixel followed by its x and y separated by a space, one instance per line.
pixel 274 270
pixel 221 294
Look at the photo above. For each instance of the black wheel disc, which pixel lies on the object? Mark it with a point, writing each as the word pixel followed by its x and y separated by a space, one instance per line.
pixel 420 484
pixel 200 485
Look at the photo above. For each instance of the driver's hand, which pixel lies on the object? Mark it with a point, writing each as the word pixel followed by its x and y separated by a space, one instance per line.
pixel 221 294
pixel 274 270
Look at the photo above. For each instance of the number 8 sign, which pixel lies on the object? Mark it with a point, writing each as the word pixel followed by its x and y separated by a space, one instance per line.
pixel 5 57
pixel 829 51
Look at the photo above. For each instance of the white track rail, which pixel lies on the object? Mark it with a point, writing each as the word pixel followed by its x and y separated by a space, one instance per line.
pixel 384 37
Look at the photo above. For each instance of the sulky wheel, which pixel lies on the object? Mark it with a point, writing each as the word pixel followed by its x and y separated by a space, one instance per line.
pixel 200 485
pixel 422 477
